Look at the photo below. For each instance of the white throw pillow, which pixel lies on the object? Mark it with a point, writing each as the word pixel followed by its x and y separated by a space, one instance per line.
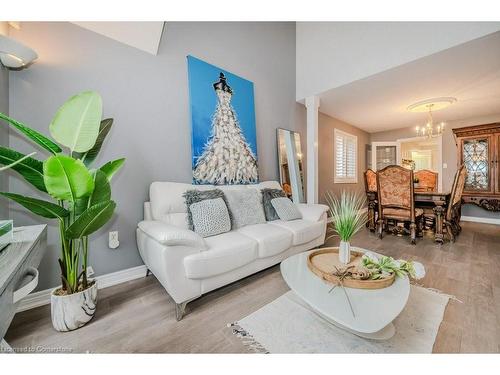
pixel 210 217
pixel 286 209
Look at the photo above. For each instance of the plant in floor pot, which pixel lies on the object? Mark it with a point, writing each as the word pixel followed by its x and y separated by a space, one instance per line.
pixel 348 217
pixel 81 196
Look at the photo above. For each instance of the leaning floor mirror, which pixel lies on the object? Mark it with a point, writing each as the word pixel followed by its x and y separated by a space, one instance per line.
pixel 290 164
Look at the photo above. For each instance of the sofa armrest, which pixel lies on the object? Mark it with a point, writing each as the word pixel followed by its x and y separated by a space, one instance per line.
pixel 171 235
pixel 312 212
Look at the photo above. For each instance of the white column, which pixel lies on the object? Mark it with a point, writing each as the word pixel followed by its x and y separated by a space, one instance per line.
pixel 312 105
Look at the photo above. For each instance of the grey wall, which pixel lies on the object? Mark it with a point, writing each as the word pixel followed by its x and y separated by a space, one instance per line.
pixel 449 154
pixel 148 97
pixel 4 135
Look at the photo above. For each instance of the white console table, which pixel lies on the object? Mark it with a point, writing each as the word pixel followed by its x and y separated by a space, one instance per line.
pixel 19 263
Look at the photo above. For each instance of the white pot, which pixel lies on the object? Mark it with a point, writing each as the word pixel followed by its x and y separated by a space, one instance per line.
pixel 344 252
pixel 73 311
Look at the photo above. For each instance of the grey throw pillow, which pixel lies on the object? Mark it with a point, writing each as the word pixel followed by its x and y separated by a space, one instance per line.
pixel 267 196
pixel 210 217
pixel 194 196
pixel 245 206
pixel 286 209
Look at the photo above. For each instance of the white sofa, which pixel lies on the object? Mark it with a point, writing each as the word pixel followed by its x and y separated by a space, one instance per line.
pixel 188 265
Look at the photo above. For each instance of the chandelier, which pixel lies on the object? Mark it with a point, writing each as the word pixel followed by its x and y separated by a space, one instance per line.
pixel 430 129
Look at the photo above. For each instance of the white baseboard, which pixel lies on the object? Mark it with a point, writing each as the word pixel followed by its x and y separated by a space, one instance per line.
pixel 485 220
pixel 43 296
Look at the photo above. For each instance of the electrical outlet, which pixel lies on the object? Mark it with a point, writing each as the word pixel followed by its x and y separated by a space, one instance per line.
pixel 90 271
pixel 113 242
pixel 445 166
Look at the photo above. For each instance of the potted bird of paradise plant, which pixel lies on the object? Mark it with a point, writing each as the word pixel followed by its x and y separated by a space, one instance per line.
pixel 81 196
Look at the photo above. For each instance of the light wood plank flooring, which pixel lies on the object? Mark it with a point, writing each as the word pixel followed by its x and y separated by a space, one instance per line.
pixel 138 316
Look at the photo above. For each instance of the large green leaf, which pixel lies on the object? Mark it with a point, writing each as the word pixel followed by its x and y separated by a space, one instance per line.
pixel 111 167
pixel 91 220
pixel 89 156
pixel 38 206
pixel 18 161
pixel 76 123
pixel 67 178
pixel 102 189
pixel 36 137
pixel 101 193
pixel 31 169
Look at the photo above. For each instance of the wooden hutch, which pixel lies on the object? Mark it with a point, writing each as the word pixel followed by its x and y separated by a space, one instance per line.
pixel 479 150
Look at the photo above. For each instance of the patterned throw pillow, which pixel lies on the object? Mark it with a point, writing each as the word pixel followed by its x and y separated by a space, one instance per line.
pixel 267 196
pixel 210 217
pixel 245 206
pixel 194 196
pixel 286 209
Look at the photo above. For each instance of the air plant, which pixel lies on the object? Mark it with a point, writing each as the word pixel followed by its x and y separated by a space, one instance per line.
pixel 386 266
pixel 348 214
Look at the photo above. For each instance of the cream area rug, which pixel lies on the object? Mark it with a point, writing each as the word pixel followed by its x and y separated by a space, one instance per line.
pixel 288 325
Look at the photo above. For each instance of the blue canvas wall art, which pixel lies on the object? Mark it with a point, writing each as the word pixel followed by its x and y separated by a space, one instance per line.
pixel 223 136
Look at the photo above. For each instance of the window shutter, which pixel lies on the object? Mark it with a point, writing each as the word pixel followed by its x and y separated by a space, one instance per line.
pixel 346 150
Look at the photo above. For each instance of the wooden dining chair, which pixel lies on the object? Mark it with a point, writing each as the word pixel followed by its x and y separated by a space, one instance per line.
pixel 371 196
pixel 396 199
pixel 427 180
pixel 453 211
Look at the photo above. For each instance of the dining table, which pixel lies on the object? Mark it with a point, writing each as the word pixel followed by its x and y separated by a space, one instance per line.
pixel 424 198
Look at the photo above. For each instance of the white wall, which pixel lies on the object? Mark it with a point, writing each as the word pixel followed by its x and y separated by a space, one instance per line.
pixel 332 54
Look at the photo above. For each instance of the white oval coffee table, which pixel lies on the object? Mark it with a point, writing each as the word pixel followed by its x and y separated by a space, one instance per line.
pixel 374 309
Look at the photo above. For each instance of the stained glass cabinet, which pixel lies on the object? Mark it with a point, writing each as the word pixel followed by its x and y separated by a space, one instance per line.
pixel 479 150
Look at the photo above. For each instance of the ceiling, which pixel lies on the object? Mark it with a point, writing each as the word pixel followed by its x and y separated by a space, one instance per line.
pixel 141 35
pixel 470 72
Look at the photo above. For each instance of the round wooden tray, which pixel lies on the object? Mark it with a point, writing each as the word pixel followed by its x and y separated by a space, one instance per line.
pixel 322 263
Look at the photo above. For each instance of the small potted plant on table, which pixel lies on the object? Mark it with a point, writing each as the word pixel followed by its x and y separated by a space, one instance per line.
pixel 348 217
pixel 82 196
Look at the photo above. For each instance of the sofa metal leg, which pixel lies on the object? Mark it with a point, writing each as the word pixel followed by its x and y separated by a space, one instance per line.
pixel 180 309
pixel 148 272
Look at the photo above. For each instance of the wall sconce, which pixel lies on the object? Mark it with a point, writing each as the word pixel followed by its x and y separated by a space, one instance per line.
pixel 13 54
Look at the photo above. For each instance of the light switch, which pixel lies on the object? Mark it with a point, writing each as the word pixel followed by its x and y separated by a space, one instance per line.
pixel 445 165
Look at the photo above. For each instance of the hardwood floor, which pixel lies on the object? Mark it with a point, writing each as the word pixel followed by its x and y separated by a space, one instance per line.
pixel 138 316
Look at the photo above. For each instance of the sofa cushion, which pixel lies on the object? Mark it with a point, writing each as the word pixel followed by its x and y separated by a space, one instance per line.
pixel 267 196
pixel 303 230
pixel 286 209
pixel 225 253
pixel 210 217
pixel 245 206
pixel 272 239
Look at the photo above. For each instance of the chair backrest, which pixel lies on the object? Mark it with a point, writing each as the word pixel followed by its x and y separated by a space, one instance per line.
pixel 427 179
pixel 395 188
pixel 456 191
pixel 370 180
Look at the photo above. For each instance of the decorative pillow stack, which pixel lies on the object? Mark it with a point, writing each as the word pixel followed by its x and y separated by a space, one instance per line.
pixel 286 209
pixel 210 215
pixel 213 212
pixel 267 196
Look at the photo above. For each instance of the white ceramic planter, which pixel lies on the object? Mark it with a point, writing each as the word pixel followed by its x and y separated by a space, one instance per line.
pixel 74 310
pixel 344 252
